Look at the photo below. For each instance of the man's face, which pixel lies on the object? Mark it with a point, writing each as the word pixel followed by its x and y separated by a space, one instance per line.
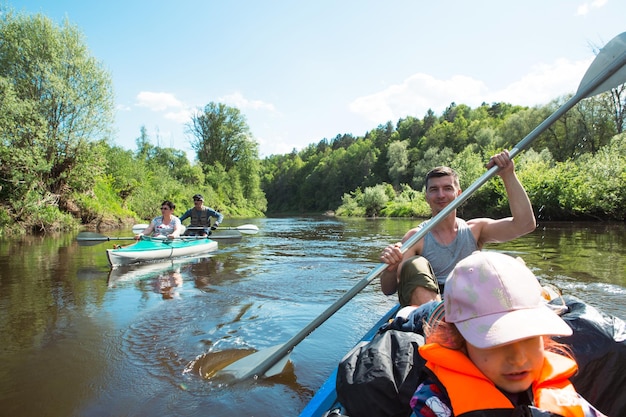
pixel 440 192
pixel 197 203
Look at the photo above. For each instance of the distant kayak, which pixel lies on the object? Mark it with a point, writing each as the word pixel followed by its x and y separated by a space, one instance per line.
pixel 152 249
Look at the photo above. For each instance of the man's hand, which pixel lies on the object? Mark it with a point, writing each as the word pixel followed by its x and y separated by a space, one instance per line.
pixel 392 256
pixel 506 164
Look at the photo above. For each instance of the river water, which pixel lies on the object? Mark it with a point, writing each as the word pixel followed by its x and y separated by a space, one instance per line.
pixel 81 340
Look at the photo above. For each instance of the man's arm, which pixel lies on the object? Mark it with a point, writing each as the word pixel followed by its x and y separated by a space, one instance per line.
pixel 219 217
pixel 522 220
pixel 184 216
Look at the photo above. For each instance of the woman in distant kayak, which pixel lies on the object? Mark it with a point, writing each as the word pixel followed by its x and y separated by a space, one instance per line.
pixel 166 225
pixel 491 353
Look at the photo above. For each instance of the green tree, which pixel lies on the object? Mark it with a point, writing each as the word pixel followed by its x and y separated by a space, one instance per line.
pixel 224 146
pixel 57 103
pixel 398 161
pixel 375 198
pixel 280 181
pixel 598 187
pixel 432 157
pixel 616 103
pixel 220 134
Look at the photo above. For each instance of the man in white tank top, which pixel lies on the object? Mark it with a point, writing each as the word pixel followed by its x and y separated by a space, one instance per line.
pixel 452 239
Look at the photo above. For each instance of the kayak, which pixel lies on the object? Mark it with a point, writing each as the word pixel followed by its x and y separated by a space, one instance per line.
pixel 598 344
pixel 151 249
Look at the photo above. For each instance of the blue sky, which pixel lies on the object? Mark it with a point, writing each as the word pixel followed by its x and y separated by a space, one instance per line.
pixel 302 71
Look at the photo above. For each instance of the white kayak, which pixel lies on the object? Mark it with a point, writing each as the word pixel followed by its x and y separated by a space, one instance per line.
pixel 151 249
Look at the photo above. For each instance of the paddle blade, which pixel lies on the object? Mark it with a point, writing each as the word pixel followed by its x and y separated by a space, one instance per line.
pixel 247 229
pixel 611 57
pixel 90 242
pixel 246 367
pixel 138 228
pixel 278 368
pixel 91 238
pixel 227 236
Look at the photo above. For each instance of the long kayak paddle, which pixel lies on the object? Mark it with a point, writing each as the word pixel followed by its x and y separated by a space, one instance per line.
pixel 607 71
pixel 246 229
pixel 91 238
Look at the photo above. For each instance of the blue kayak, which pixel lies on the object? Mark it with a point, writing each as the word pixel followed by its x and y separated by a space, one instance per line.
pixel 153 249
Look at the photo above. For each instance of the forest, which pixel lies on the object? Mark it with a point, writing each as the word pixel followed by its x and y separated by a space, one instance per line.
pixel 60 169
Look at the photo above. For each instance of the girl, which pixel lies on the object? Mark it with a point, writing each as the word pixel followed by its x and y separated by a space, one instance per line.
pixel 491 355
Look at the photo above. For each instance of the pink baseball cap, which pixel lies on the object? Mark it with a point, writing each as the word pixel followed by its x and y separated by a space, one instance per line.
pixel 494 299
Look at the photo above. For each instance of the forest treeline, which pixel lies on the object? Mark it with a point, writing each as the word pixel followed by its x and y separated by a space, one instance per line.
pixel 575 170
pixel 60 168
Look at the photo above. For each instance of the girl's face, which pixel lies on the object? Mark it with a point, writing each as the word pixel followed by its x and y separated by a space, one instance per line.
pixel 512 367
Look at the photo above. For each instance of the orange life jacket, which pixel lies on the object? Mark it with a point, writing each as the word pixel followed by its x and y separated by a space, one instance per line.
pixel 552 392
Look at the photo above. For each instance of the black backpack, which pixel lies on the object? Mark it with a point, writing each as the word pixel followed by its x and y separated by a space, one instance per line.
pixel 380 377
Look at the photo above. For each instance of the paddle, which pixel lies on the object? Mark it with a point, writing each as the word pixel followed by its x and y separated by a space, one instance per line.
pixel 246 229
pixel 91 238
pixel 606 71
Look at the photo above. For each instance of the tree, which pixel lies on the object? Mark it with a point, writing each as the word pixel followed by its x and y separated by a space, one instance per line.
pixel 618 107
pixel 57 103
pixel 433 157
pixel 224 145
pixel 398 161
pixel 221 134
pixel 374 199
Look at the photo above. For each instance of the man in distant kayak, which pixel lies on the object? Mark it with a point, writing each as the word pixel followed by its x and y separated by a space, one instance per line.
pixel 201 218
pixel 452 239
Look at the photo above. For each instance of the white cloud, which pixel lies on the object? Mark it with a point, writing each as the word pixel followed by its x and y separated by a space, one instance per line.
pixel 180 116
pixel 543 83
pixel 420 92
pixel 584 8
pixel 122 107
pixel 239 101
pixel 166 105
pixel 158 101
pixel 276 146
pixel 415 96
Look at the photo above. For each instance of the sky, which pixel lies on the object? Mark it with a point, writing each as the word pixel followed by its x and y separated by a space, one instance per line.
pixel 304 71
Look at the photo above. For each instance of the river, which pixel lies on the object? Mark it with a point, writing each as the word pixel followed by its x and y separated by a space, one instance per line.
pixel 81 340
